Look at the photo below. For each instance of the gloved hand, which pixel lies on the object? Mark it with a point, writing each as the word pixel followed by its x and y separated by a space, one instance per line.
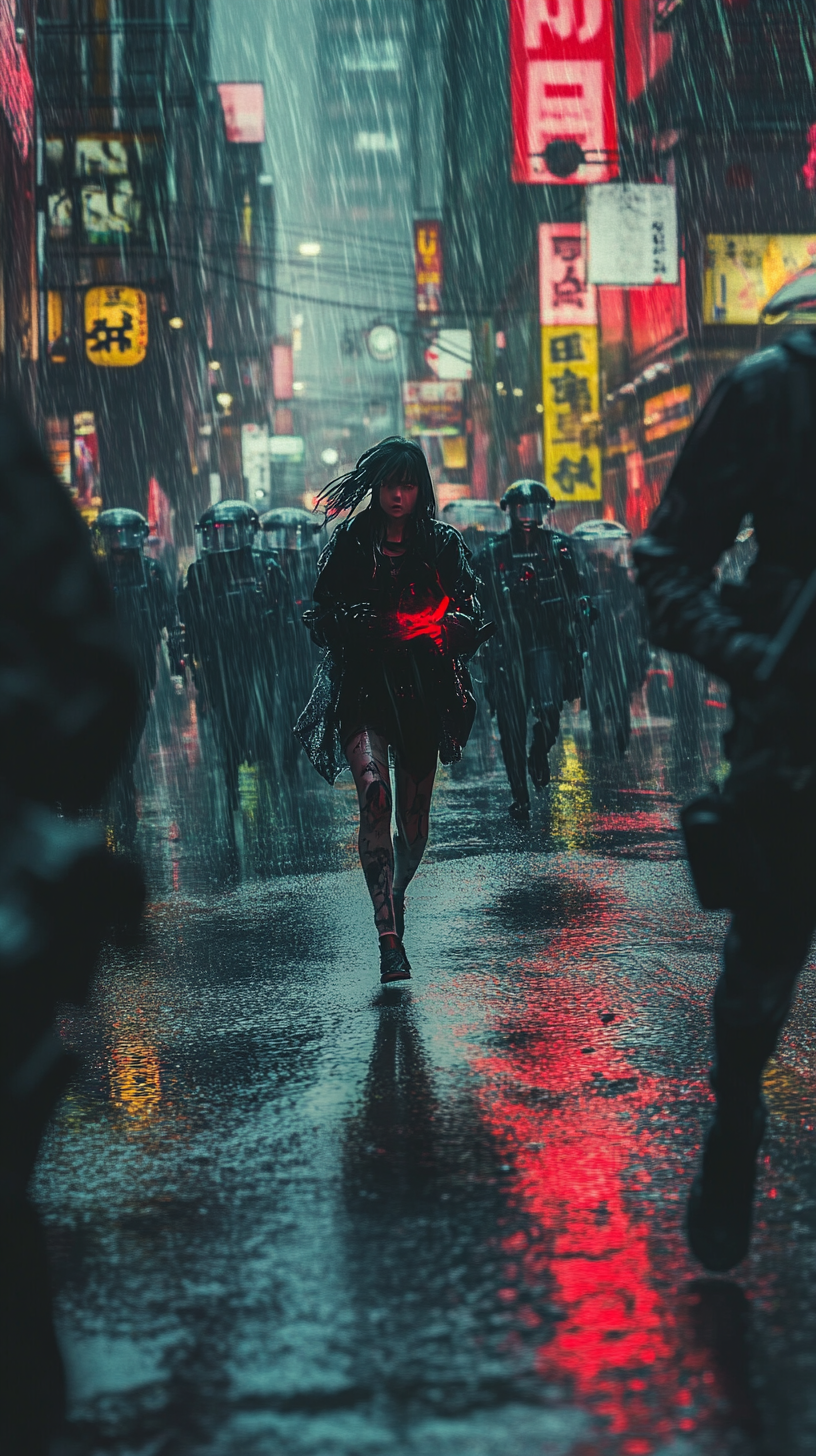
pixel 740 659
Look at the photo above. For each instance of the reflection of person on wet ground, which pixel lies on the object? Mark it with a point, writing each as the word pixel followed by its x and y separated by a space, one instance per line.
pixel 398 613
pixel 426 1190
pixel 752 848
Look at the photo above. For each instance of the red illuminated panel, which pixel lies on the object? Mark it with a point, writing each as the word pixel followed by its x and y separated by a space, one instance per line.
pixel 612 315
pixel 282 373
pixel 159 511
pixel 562 77
pixel 243 107
pixel 16 85
pixel 657 314
pixel 647 50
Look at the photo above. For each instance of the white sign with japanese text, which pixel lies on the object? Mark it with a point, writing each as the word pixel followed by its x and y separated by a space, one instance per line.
pixel 632 234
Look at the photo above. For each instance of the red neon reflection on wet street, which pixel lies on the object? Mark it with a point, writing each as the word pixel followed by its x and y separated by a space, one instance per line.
pixel 603 1194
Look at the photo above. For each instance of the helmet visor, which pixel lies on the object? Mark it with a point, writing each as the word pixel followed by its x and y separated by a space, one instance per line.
pixel 529 512
pixel 226 535
pixel 285 538
pixel 123 538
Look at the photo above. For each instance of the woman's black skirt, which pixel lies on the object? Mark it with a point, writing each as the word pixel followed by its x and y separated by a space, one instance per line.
pixel 393 699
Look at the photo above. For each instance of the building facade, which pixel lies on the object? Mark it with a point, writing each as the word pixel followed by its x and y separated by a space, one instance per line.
pixel 123 100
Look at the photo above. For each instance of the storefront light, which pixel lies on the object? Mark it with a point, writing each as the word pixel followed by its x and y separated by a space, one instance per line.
pixel 176 322
pixel 309 250
pixel 298 386
pixel 214 365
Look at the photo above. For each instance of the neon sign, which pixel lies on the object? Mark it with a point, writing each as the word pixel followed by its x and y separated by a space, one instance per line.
pixel 562 65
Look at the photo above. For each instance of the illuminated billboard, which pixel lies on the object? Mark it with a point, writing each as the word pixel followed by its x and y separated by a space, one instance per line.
pixel 283 371
pixel 243 105
pixel 667 414
pixel 572 453
pixel 428 266
pixel 565 297
pixel 105 187
pixel 433 406
pixel 16 84
pixel 115 327
pixel 743 270
pixel 562 82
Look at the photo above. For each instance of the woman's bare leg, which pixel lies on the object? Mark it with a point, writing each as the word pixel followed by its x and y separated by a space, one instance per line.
pixel 413 814
pixel 367 753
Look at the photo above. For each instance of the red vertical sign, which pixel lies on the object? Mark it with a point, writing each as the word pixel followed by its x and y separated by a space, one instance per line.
pixel 562 74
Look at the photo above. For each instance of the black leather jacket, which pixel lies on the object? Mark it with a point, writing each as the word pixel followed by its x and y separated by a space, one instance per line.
pixel 357 595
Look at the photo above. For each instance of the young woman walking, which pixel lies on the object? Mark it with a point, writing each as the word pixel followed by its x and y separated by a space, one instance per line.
pixel 398 614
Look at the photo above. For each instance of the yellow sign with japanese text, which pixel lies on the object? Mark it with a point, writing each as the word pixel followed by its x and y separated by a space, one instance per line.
pixel 115 327
pixel 572 421
pixel 743 270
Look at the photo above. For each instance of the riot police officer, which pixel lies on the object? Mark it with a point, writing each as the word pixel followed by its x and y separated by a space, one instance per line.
pixel 536 597
pixel 145 609
pixel 237 615
pixel 752 847
pixel 618 654
pixel 296 539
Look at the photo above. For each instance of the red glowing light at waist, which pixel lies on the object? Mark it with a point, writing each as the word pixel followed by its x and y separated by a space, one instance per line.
pixel 426 622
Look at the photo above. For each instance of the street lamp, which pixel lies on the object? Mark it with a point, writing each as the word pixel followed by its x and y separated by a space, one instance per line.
pixel 176 322
pixel 224 399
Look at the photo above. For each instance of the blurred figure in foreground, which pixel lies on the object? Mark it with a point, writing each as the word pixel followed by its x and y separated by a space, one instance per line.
pixel 68 699
pixel 237 617
pixel 752 847
pixel 398 614
pixel 618 654
pixel 145 610
pixel 535 594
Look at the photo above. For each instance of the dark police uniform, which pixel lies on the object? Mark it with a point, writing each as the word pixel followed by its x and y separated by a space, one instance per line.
pixel 532 591
pixel 238 623
pixel 144 607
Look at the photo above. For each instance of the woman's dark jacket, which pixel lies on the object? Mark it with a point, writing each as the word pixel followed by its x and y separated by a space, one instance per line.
pixel 357 593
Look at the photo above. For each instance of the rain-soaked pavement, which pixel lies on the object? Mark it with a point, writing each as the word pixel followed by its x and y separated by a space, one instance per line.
pixel 290 1213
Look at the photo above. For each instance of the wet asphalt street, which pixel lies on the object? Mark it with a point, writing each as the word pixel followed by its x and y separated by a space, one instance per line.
pixel 291 1213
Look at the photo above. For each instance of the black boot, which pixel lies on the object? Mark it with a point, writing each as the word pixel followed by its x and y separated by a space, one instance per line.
pixel 399 912
pixel 720 1205
pixel 519 811
pixel 538 761
pixel 394 964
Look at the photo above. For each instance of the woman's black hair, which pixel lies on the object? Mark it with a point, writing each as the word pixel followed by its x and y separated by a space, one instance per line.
pixel 394 459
